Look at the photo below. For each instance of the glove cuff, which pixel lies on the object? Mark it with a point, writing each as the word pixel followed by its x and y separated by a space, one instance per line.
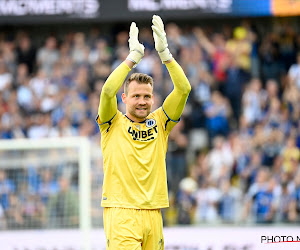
pixel 165 55
pixel 135 56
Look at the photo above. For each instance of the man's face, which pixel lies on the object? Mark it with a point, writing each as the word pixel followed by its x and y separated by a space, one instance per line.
pixel 139 101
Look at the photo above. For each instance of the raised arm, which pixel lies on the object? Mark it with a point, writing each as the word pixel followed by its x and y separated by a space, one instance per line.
pixel 108 100
pixel 175 102
pixel 204 41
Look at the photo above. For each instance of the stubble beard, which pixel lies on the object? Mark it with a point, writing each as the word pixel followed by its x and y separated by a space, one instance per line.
pixel 134 113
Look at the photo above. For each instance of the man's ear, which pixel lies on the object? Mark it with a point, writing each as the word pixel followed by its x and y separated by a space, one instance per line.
pixel 124 98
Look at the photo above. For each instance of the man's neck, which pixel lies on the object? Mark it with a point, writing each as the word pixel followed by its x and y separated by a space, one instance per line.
pixel 135 119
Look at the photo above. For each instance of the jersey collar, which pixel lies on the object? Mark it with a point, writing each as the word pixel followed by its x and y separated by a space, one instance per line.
pixel 134 121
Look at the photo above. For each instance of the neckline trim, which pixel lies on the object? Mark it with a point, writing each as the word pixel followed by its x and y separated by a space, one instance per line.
pixel 134 121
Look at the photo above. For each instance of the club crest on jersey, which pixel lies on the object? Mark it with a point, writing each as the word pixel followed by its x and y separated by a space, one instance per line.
pixel 150 123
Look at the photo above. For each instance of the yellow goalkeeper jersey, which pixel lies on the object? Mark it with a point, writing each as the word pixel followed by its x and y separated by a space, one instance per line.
pixel 134 161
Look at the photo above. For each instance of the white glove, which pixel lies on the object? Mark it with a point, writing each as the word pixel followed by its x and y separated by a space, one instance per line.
pixel 135 47
pixel 160 39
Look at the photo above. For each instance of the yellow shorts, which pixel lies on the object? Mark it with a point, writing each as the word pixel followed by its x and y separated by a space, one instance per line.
pixel 132 229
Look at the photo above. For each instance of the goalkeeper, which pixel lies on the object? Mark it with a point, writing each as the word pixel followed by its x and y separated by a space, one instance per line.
pixel 134 147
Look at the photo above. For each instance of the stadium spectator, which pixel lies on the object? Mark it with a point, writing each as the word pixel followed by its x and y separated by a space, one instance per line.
pixel 100 52
pixel 25 97
pixel 259 185
pixel 6 77
pixel 79 51
pixel 48 55
pixel 248 174
pixel 252 102
pixel 271 65
pixel 186 202
pixel 217 112
pixel 284 203
pixel 290 154
pixel 230 202
pixel 7 187
pixel 294 209
pixel 218 53
pixel 240 48
pixel 13 215
pixel 48 185
pixel 264 203
pixel 294 73
pixel 220 159
pixel 26 52
pixel 21 74
pixel 207 202
pixel 290 99
pixel 33 211
pixel 62 207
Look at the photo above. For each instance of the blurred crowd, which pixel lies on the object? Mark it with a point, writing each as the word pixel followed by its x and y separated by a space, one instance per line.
pixel 234 156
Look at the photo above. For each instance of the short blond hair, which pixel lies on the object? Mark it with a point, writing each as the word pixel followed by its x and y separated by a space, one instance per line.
pixel 140 78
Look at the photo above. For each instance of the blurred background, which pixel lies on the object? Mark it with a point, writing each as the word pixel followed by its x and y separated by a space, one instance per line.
pixel 232 161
